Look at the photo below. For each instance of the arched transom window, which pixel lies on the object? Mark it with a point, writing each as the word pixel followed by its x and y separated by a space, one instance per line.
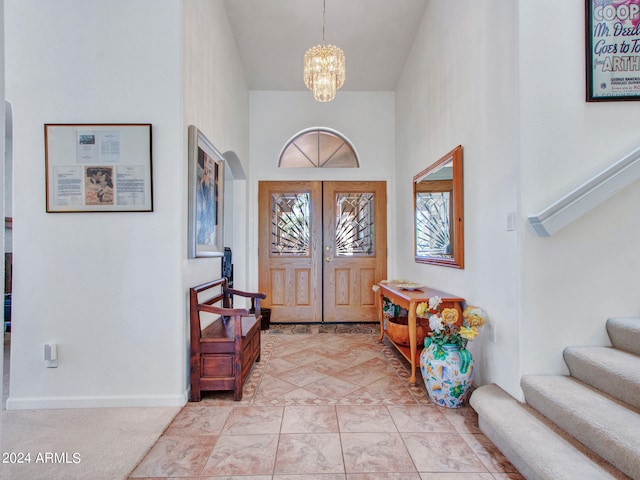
pixel 318 148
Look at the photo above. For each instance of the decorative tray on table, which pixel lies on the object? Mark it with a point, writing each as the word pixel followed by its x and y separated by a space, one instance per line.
pixel 410 286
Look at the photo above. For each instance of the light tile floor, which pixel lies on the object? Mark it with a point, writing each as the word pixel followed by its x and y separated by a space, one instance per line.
pixel 325 406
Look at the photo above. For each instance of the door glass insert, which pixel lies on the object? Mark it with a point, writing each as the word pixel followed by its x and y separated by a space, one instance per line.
pixel 290 230
pixel 354 224
pixel 433 237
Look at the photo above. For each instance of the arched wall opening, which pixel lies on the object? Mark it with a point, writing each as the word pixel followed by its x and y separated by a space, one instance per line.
pixel 235 216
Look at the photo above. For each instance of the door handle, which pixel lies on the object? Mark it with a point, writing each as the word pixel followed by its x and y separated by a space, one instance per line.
pixel 327 258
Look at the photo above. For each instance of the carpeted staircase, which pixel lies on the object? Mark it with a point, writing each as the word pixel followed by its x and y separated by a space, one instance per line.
pixel 573 427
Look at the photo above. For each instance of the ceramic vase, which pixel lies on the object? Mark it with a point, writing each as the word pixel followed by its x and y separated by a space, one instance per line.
pixel 447 372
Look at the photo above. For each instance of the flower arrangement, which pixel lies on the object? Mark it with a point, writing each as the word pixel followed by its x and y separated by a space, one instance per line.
pixel 444 323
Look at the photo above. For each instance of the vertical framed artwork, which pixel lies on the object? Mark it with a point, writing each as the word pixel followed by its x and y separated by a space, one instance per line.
pixel 206 192
pixel 98 167
pixel 612 50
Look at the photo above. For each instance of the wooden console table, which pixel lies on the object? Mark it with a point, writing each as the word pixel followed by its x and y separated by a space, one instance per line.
pixel 410 299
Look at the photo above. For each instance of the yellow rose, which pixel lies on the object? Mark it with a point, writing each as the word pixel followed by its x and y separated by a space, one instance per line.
pixel 449 316
pixel 421 310
pixel 475 321
pixel 470 333
pixel 474 316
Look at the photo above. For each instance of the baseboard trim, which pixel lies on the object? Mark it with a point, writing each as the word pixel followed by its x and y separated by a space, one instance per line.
pixel 44 403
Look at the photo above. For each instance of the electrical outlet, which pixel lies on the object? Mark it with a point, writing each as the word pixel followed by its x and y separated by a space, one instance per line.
pixel 511 221
pixel 492 332
pixel 51 355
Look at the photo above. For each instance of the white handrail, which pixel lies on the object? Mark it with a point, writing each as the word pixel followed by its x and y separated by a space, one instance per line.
pixel 587 196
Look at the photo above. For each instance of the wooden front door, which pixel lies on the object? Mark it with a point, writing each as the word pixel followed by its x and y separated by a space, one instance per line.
pixel 322 246
pixel 290 250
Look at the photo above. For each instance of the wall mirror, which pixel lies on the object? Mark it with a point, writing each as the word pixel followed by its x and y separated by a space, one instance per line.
pixel 437 201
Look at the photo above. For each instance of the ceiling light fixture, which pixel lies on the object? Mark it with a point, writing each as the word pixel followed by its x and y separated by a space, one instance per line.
pixel 324 67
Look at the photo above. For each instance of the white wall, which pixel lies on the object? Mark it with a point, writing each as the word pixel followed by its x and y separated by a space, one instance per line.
pixel 216 99
pixel 8 167
pixel 105 287
pixel 459 87
pixel 506 80
pixel 365 118
pixel 2 147
pixel 573 281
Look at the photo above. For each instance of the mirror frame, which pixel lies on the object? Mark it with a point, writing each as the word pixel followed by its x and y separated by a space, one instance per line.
pixel 457 222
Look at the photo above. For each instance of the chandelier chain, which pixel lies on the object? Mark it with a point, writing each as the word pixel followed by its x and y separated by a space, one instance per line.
pixel 324 18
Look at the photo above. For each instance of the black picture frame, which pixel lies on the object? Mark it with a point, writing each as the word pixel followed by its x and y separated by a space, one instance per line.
pixel 612 29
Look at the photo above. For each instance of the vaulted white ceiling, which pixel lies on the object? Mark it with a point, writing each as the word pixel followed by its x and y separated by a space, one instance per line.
pixel 375 35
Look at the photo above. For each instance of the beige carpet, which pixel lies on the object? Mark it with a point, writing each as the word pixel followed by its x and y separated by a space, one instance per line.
pixel 77 444
pixel 101 443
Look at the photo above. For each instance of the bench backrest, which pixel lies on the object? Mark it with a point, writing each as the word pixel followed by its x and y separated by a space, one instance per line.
pixel 217 288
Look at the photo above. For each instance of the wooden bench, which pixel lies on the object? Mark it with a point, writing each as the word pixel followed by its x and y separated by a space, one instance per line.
pixel 223 352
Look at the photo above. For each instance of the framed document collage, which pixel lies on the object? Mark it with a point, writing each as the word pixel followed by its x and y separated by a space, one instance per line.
pixel 98 167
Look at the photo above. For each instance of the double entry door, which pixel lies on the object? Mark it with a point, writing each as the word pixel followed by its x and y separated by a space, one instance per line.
pixel 322 246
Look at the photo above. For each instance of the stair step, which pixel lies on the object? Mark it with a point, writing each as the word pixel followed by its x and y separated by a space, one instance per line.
pixel 608 369
pixel 597 420
pixel 534 445
pixel 624 334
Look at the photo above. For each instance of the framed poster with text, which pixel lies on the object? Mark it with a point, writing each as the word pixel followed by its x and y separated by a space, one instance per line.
pixel 98 167
pixel 613 50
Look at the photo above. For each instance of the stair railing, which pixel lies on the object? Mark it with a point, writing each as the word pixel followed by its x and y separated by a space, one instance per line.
pixel 587 196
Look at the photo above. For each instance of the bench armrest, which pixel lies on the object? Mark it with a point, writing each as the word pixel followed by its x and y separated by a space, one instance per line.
pixel 226 312
pixel 254 296
pixel 233 291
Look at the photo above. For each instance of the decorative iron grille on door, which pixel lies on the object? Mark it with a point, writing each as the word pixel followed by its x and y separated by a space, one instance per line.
pixel 354 224
pixel 290 230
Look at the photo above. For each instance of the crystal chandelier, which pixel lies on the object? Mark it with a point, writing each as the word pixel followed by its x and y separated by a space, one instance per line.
pixel 324 68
